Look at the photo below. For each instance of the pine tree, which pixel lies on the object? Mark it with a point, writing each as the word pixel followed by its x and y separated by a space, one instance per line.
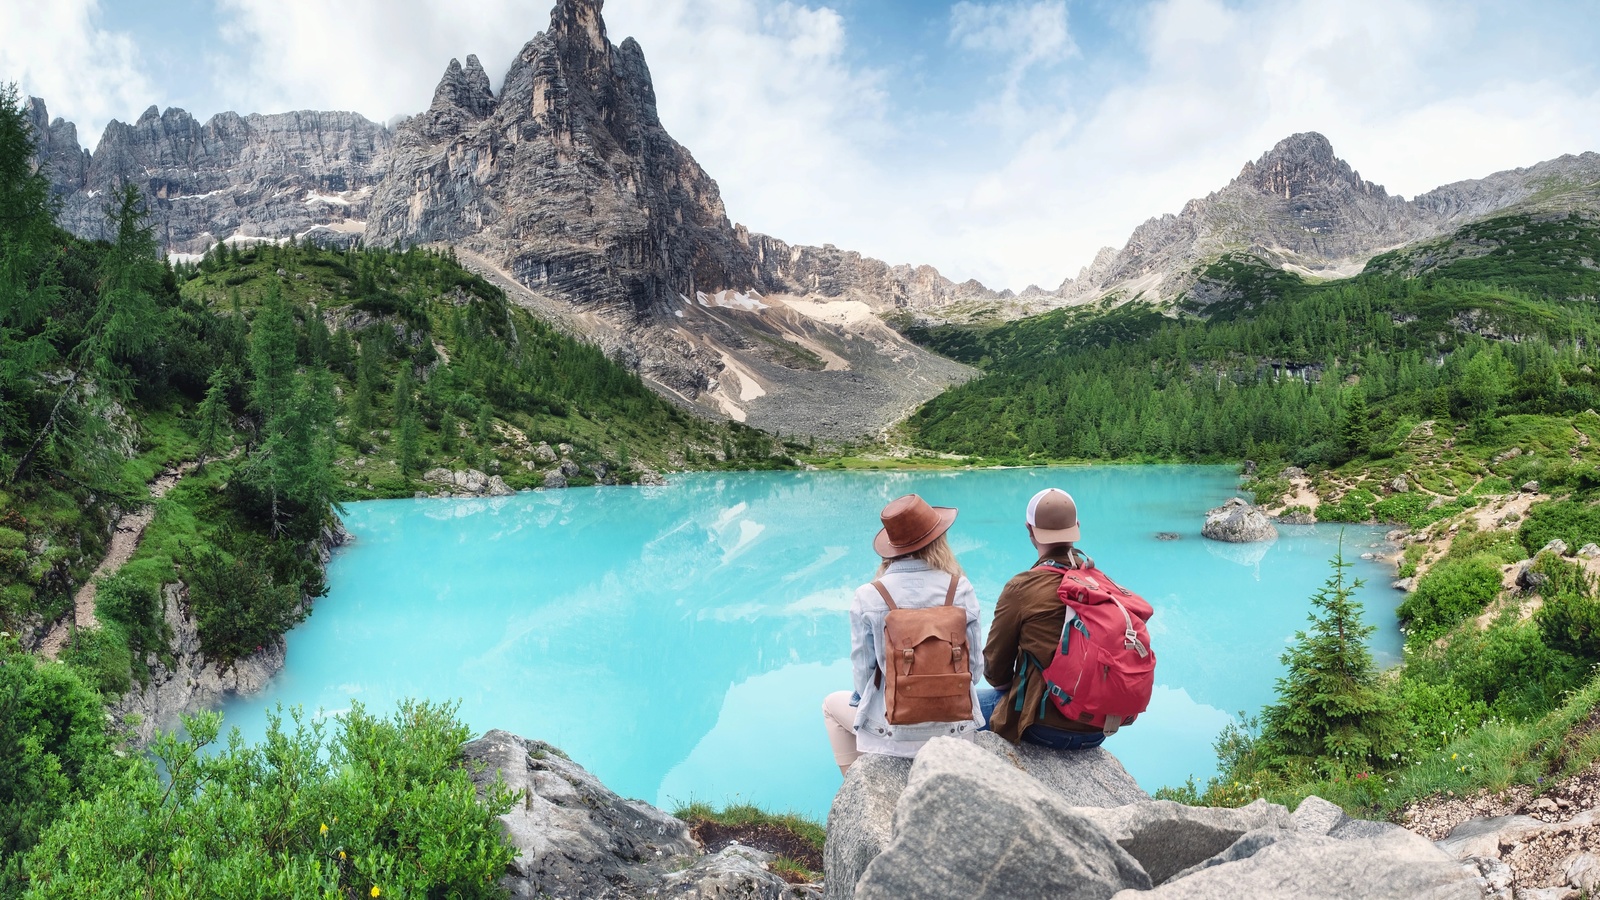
pixel 272 363
pixel 1329 707
pixel 1355 426
pixel 213 414
pixel 409 447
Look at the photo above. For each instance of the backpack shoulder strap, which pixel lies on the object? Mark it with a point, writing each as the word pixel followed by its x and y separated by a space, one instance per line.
pixel 884 592
pixel 950 595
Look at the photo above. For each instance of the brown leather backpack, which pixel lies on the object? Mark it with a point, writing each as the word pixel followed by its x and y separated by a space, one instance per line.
pixel 928 676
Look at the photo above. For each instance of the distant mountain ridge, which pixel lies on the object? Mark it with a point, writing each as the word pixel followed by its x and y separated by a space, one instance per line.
pixel 1301 208
pixel 568 190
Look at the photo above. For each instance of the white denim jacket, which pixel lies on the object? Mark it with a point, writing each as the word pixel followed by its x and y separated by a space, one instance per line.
pixel 912 583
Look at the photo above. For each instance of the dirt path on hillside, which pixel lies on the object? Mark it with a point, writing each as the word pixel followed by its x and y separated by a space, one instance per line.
pixel 124 541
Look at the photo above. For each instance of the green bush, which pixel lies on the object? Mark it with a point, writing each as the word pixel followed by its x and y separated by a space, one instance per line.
pixel 1572 521
pixel 1437 713
pixel 1508 666
pixel 1499 546
pixel 135 605
pixel 1569 620
pixel 385 808
pixel 1451 591
pixel 54 750
pixel 237 605
pixel 101 656
pixel 1405 509
pixel 1354 506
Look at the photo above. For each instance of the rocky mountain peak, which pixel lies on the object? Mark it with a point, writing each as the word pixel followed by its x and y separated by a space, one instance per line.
pixel 466 89
pixel 578 22
pixel 1302 164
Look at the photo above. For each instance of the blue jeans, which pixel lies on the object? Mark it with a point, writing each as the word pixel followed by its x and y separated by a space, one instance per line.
pixel 1044 736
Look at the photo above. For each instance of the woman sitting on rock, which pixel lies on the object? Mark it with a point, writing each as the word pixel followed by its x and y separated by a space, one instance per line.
pixel 911 630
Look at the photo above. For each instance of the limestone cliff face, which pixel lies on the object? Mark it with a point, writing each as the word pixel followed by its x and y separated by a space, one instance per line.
pixel 265 176
pixel 567 179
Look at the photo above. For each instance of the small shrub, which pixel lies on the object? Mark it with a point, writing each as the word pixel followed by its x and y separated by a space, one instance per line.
pixel 136 606
pixel 237 605
pixel 385 808
pixel 1354 506
pixel 1572 521
pixel 1500 546
pixel 1402 508
pixel 1451 591
pixel 101 657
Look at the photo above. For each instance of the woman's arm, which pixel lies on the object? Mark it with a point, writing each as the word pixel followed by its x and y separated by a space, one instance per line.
pixel 863 656
pixel 968 598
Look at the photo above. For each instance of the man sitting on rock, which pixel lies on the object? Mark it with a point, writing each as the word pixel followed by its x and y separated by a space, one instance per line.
pixel 1029 619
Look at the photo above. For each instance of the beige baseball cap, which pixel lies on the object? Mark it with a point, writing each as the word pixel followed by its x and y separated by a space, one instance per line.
pixel 1054 517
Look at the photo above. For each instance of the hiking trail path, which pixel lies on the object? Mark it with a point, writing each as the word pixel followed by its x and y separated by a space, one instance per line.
pixel 124 541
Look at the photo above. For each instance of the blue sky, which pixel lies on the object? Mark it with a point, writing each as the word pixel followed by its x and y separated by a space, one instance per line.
pixel 1005 140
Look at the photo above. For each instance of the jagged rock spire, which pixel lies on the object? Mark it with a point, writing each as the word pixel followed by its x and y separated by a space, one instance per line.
pixel 578 26
pixel 464 89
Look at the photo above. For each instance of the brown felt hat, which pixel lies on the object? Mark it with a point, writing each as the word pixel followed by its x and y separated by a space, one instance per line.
pixel 909 524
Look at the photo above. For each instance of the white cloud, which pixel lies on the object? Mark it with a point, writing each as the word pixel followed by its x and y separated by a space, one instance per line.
pixel 1027 32
pixel 58 51
pixel 1396 85
pixel 380 58
pixel 762 95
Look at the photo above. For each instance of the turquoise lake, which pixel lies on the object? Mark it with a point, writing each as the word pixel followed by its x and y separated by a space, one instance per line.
pixel 677 641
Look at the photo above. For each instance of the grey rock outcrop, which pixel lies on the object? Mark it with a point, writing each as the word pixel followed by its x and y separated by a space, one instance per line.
pixel 467 483
pixel 958 825
pixel 968 823
pixel 249 177
pixel 1398 866
pixel 1166 837
pixel 576 838
pixel 860 823
pixel 191 682
pixel 1238 522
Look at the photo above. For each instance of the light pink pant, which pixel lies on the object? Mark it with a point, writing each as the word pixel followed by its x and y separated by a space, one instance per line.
pixel 839 717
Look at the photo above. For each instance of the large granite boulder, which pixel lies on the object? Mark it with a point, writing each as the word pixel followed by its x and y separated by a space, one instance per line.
pixel 576 838
pixel 1238 522
pixel 969 825
pixel 860 824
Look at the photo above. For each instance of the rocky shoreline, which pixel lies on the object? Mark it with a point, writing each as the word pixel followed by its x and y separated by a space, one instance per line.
pixel 191 682
pixel 965 819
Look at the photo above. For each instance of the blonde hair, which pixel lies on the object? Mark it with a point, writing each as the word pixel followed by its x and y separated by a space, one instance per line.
pixel 937 555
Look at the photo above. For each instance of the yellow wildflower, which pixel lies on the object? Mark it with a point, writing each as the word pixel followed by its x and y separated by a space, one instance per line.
pixel 341 854
pixel 376 892
pixel 1452 756
pixel 324 827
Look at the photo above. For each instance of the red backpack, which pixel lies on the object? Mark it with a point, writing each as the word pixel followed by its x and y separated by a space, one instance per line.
pixel 1104 670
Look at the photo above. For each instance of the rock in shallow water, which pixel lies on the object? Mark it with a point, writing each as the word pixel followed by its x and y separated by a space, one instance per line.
pixel 1238 522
